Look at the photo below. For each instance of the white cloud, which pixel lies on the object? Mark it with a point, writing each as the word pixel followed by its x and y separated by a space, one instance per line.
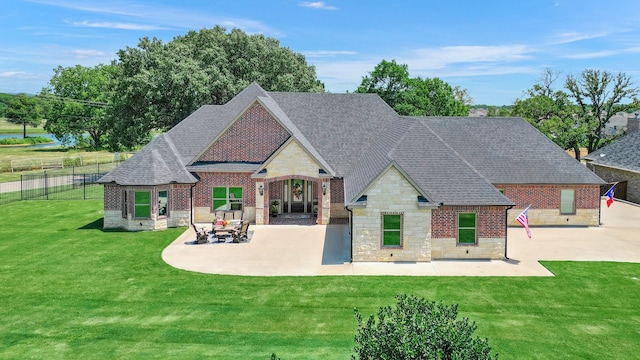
pixel 119 26
pixel 317 5
pixel 604 53
pixel 163 17
pixel 84 54
pixel 17 75
pixel 573 36
pixel 438 58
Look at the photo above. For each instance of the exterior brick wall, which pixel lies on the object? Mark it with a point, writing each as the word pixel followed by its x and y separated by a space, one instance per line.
pixel 337 200
pixel 112 197
pixel 547 196
pixel 178 207
pixel 613 175
pixel 252 138
pixel 490 221
pixel 545 204
pixel 203 191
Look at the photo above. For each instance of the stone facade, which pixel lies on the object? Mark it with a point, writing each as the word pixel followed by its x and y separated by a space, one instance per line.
pixel 614 175
pixel 391 193
pixel 545 204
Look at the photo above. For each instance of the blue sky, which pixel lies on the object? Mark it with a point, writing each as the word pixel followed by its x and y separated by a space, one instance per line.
pixel 495 49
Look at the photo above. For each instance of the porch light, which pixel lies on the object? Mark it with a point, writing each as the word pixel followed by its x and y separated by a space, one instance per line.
pixel 261 189
pixel 324 189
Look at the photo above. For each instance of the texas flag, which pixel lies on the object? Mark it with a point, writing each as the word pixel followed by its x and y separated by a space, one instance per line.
pixel 609 195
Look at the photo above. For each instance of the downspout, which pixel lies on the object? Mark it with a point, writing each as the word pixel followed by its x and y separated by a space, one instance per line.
pixel 350 233
pixel 191 206
pixel 506 227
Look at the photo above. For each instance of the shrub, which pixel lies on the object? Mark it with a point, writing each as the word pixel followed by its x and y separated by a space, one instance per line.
pixel 418 329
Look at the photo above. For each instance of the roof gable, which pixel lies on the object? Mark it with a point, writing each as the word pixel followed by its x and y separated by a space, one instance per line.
pixel 250 138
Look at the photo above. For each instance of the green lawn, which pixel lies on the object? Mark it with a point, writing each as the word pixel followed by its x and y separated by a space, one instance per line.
pixel 72 291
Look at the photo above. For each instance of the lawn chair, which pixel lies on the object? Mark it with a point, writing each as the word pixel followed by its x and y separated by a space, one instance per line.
pixel 241 234
pixel 201 235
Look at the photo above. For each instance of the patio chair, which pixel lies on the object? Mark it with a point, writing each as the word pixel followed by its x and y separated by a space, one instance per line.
pixel 237 214
pixel 241 234
pixel 201 235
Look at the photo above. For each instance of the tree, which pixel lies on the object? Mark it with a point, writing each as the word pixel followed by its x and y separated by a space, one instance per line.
pixel 552 112
pixel 24 110
pixel 77 98
pixel 418 329
pixel 598 95
pixel 160 84
pixel 414 96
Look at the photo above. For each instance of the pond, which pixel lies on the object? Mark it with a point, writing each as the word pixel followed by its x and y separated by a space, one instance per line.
pixel 55 142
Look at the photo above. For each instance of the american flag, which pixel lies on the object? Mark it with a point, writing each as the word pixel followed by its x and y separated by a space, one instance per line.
pixel 523 219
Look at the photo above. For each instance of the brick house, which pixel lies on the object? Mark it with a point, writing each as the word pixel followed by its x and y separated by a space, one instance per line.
pixel 411 188
pixel 619 162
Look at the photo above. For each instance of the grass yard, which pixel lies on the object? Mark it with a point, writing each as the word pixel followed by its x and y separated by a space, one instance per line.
pixel 72 291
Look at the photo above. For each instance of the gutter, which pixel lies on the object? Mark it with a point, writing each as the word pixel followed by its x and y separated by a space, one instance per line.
pixel 506 227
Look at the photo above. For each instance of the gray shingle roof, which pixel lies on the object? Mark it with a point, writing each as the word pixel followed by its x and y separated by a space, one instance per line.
pixel 339 126
pixel 622 154
pixel 357 136
pixel 435 169
pixel 155 164
pixel 510 151
pixel 441 173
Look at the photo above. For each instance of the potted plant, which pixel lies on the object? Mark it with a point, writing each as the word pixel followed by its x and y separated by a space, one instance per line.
pixel 315 210
pixel 273 209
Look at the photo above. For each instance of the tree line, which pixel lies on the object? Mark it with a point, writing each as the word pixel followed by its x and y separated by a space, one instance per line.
pixel 151 87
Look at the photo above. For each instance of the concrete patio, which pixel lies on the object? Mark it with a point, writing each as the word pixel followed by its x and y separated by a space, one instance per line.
pixel 311 250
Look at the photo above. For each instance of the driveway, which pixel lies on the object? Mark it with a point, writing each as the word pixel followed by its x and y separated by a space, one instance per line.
pixel 298 250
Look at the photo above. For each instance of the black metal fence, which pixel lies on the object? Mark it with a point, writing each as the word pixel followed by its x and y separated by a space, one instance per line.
pixel 52 186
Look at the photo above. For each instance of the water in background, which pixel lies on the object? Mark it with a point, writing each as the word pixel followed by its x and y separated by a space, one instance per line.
pixel 55 142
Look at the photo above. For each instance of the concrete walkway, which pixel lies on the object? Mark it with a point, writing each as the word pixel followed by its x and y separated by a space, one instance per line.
pixel 290 250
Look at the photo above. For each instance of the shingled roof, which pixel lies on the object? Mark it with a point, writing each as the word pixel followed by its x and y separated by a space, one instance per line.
pixel 623 154
pixel 510 151
pixel 357 136
pixel 155 164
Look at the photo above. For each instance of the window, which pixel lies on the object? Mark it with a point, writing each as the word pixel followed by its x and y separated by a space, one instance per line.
pixel 391 230
pixel 142 204
pixel 567 201
pixel 163 203
pixel 466 228
pixel 227 198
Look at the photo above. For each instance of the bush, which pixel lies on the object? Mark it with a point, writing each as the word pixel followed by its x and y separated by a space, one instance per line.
pixel 418 329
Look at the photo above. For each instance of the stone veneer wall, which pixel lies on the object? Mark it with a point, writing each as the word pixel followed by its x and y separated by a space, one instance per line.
pixel 203 194
pixel 490 227
pixel 179 207
pixel 613 175
pixel 392 193
pixel 545 204
pixel 292 161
